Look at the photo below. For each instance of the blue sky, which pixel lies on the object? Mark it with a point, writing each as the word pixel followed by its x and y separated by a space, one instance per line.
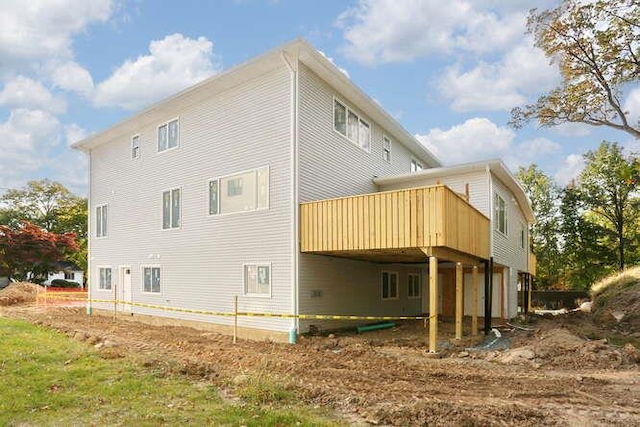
pixel 449 72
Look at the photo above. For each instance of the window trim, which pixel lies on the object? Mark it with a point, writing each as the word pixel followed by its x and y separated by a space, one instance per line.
pixel 142 267
pixel 416 162
pixel 221 177
pixel 133 137
pixel 523 235
pixel 360 119
pixel 244 285
pixel 98 268
pixel 106 232
pixel 385 150
pixel 170 190
pixel 397 296
pixel 419 280
pixel 158 151
pixel 496 226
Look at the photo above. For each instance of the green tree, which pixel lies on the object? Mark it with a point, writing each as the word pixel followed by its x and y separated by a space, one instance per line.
pixel 544 196
pixel 609 184
pixel 596 45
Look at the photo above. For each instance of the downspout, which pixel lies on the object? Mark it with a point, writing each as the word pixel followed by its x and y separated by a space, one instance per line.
pixel 295 322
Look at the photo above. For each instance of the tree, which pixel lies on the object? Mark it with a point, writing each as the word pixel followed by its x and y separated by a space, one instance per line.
pixel 609 183
pixel 544 195
pixel 597 47
pixel 30 250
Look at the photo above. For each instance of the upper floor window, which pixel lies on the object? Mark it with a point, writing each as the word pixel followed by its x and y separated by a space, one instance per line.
pixel 500 214
pixel 135 147
pixel 246 191
pixel 523 236
pixel 389 285
pixel 413 285
pixel 168 135
pixel 386 149
pixel 101 221
pixel 151 279
pixel 416 165
pixel 349 124
pixel 171 209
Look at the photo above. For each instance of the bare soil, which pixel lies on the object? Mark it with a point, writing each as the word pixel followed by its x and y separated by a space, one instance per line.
pixel 18 293
pixel 552 375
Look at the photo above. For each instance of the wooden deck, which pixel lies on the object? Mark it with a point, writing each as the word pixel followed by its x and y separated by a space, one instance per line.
pixel 396 226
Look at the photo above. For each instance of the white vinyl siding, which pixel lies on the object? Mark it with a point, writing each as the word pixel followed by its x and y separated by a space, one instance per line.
pixel 349 124
pixel 135 146
pixel 104 278
pixel 386 149
pixel 389 285
pixel 257 279
pixel 101 221
pixel 168 135
pixel 151 279
pixel 413 286
pixel 242 192
pixel 500 214
pixel 171 207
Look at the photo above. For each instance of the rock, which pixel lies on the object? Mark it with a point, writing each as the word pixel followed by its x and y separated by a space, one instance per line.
pixel 517 355
pixel 109 343
pixel 98 346
pixel 585 307
pixel 631 351
pixel 331 336
pixel 463 354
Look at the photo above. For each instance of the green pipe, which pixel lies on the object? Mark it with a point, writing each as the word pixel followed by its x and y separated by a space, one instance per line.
pixel 387 325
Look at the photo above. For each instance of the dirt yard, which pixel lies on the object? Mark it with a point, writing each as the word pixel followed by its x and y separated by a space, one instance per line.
pixel 549 376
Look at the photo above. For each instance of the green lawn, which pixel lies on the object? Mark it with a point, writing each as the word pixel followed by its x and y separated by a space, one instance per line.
pixel 47 378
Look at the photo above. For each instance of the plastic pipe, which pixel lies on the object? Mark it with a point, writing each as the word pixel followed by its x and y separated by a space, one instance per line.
pixel 388 325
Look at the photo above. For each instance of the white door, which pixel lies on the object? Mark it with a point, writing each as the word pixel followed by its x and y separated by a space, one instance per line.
pixel 125 279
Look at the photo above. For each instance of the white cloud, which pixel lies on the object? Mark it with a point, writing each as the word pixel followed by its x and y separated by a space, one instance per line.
pixel 173 64
pixel 570 169
pixel 501 85
pixel 38 30
pixel 72 77
pixel 530 151
pixel 475 139
pixel 401 30
pixel 24 92
pixel 572 129
pixel 632 105
pixel 74 133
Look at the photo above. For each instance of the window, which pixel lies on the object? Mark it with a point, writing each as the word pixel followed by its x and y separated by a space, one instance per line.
pixel 389 285
pixel 171 209
pixel 168 135
pixel 349 124
pixel 135 147
pixel 246 191
pixel 68 275
pixel 523 236
pixel 101 221
pixel 151 279
pixel 257 279
pixel 500 214
pixel 414 286
pixel 386 149
pixel 416 166
pixel 104 274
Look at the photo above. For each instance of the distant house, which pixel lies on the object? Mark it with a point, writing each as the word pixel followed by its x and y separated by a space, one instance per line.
pixel 281 182
pixel 68 271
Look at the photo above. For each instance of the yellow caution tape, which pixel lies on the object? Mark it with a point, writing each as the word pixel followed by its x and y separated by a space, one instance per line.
pixel 246 313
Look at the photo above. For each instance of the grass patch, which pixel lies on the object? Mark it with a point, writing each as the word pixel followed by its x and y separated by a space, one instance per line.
pixel 50 379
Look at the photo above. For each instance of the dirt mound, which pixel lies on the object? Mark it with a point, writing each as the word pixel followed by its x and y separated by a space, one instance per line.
pixel 18 293
pixel 616 301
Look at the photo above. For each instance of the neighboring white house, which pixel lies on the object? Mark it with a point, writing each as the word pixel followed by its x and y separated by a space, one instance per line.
pixel 198 199
pixel 68 271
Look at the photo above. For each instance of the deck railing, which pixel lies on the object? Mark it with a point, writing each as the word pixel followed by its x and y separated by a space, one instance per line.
pixel 432 216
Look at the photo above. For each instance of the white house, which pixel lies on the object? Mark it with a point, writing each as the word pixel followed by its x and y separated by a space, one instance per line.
pixel 68 271
pixel 232 188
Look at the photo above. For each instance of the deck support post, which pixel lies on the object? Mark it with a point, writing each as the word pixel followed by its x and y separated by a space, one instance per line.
pixel 433 304
pixel 475 281
pixel 488 294
pixel 459 302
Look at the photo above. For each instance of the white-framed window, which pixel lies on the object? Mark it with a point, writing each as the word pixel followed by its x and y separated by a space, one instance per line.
pixel 523 235
pixel 171 208
pixel 415 166
pixel 241 192
pixel 386 149
pixel 135 146
pixel 168 135
pixel 104 278
pixel 68 275
pixel 151 278
pixel 500 214
pixel 350 125
pixel 414 286
pixel 389 281
pixel 257 279
pixel 101 221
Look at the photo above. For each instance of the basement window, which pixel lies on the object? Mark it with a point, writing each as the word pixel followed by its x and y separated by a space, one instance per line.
pixel 413 281
pixel 389 285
